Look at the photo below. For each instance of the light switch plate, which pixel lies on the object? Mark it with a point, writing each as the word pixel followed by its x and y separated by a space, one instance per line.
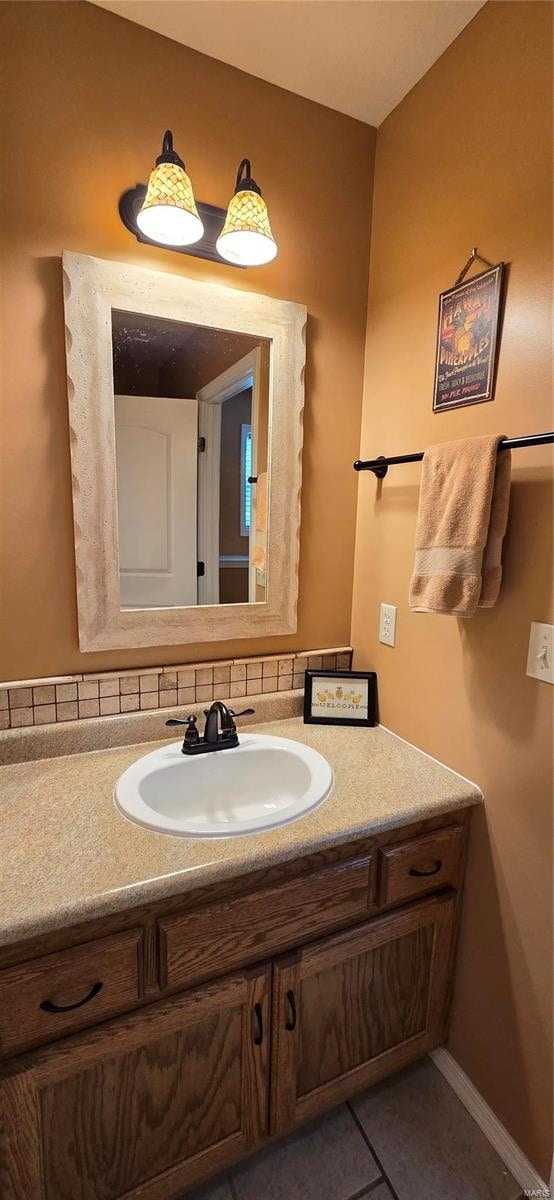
pixel 540 660
pixel 387 625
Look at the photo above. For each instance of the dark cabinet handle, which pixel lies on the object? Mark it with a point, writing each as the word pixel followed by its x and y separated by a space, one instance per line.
pixel 437 867
pixel 48 1007
pixel 291 1024
pixel 259 1018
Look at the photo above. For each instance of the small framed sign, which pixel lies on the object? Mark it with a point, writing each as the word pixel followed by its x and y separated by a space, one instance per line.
pixel 467 340
pixel 339 698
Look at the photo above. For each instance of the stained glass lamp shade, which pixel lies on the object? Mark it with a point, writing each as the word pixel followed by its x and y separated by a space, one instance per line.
pixel 169 213
pixel 246 238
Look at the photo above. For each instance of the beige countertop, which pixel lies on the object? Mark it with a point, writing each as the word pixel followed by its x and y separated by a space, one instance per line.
pixel 68 855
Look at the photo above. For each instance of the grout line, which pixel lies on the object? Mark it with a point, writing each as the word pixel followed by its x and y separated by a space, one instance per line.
pixel 386 1179
pixel 368 1189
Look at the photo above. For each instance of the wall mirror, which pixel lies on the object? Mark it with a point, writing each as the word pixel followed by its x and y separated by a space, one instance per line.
pixel 191 426
pixel 185 404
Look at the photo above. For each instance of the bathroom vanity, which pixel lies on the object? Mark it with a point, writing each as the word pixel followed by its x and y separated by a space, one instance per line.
pixel 167 1004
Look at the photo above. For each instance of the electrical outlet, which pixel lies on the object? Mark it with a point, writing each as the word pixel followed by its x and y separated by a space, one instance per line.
pixel 387 625
pixel 540 660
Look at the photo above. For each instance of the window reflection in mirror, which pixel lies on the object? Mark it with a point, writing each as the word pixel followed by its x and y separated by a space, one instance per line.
pixel 191 408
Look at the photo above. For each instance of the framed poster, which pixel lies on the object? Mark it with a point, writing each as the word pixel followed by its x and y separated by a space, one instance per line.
pixel 467 340
pixel 339 698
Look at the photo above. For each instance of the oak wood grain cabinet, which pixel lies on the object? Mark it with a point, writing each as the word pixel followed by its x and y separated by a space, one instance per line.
pixel 353 1008
pixel 243 1009
pixel 420 865
pixel 49 997
pixel 222 936
pixel 144 1106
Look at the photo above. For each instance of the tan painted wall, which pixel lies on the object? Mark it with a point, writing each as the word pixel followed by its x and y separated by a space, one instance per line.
pixel 466 158
pixel 86 98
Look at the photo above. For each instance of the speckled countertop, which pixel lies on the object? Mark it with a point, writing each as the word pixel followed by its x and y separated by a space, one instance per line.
pixel 69 856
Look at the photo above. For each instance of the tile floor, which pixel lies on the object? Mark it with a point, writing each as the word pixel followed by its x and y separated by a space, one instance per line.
pixel 408 1138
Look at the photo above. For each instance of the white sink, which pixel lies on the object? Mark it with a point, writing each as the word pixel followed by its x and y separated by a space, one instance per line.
pixel 259 784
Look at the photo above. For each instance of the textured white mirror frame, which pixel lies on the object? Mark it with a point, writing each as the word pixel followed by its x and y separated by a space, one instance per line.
pixel 92 287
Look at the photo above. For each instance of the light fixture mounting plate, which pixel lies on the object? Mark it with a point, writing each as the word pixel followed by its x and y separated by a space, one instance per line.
pixel 213 220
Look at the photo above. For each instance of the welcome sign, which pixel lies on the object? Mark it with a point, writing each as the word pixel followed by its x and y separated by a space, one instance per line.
pixel 340 697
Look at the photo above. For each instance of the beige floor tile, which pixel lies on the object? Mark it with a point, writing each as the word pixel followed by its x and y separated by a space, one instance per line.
pixel 381 1192
pixel 426 1141
pixel 326 1160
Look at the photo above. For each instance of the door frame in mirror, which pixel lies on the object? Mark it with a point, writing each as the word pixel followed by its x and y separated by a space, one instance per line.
pixel 211 397
pixel 92 287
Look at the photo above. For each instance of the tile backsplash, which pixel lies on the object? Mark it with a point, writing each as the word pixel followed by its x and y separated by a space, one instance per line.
pixel 27 702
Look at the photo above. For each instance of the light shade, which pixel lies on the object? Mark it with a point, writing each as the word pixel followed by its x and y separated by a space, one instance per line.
pixel 246 238
pixel 169 213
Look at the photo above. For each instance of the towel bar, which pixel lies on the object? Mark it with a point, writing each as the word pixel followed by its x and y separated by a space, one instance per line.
pixel 380 465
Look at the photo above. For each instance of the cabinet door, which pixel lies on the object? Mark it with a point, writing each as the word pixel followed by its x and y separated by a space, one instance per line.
pixel 349 1009
pixel 143 1106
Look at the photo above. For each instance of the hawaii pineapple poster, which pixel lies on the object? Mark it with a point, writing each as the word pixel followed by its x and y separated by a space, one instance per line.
pixel 467 340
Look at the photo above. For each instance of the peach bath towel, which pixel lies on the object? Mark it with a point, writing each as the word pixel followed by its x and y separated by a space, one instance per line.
pixel 462 517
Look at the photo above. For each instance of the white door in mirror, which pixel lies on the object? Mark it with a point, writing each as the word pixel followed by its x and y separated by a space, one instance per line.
pixel 260 784
pixel 156 457
pixel 540 660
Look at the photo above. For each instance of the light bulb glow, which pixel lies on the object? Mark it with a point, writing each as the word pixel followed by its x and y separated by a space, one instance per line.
pixel 172 226
pixel 246 238
pixel 169 213
pixel 246 249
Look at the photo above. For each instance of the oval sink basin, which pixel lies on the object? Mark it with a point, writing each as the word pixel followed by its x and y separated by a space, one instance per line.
pixel 259 784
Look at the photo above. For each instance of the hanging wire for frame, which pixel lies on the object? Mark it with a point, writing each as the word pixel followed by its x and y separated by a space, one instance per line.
pixel 473 256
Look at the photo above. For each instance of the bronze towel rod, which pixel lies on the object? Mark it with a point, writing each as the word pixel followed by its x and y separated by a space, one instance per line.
pixel 380 465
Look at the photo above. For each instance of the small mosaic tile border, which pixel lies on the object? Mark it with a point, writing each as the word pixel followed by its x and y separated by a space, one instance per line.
pixel 111 693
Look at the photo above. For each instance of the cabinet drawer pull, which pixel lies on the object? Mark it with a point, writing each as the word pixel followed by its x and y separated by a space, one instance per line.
pixel 48 1007
pixel 436 868
pixel 259 1018
pixel 291 1024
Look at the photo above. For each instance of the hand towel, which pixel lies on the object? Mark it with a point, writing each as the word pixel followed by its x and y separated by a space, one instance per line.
pixel 259 552
pixel 462 517
pixel 261 502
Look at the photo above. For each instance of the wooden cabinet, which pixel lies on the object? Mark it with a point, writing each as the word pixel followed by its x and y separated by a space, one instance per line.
pixel 145 1106
pixel 350 1009
pixel 220 937
pixel 49 997
pixel 420 865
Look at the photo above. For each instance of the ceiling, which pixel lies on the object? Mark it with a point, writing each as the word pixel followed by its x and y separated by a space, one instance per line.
pixel 154 356
pixel 357 56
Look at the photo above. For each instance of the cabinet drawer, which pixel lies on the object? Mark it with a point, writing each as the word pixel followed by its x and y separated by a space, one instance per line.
pixel 55 995
pixel 421 865
pixel 217 938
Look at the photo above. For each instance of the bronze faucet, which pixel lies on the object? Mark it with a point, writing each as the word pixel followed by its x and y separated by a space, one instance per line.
pixel 220 731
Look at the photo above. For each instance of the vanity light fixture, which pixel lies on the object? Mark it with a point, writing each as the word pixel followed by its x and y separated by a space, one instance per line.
pixel 246 239
pixel 169 214
pixel 165 213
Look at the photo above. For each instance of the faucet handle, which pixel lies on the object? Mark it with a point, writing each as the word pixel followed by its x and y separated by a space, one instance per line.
pixel 191 736
pixel 246 712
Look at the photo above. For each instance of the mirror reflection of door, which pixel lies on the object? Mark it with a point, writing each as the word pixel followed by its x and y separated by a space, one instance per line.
pixel 230 416
pixel 191 407
pixel 156 456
